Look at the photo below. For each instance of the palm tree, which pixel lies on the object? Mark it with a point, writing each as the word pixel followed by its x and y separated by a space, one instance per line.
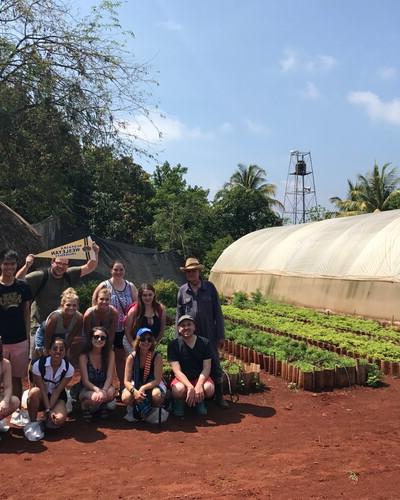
pixel 253 178
pixel 374 191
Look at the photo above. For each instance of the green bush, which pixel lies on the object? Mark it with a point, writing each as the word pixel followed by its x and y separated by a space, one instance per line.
pixel 85 292
pixel 240 300
pixel 167 291
pixel 257 297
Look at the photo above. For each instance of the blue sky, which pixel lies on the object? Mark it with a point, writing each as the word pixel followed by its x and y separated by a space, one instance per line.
pixel 249 81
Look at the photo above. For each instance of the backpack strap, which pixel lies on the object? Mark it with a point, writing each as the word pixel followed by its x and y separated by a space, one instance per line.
pixel 45 279
pixel 42 369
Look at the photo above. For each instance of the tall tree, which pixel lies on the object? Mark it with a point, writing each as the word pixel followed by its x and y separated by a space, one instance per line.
pixel 182 213
pixel 238 211
pixel 377 190
pixel 120 204
pixel 80 67
pixel 253 178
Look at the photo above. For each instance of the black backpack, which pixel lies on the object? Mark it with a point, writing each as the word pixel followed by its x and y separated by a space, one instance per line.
pixel 42 369
pixel 45 278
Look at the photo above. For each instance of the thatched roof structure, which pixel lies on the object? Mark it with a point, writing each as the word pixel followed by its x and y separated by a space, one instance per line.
pixel 17 234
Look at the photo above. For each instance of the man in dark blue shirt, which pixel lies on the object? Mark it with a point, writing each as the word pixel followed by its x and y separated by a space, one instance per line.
pixel 199 299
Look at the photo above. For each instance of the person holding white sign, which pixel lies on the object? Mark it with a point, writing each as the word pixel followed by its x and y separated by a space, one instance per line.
pixel 47 285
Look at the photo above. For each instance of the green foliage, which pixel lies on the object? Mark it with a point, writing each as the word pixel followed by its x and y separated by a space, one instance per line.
pixel 238 211
pixel 215 251
pixel 85 292
pixel 367 346
pixel 182 214
pixel 377 190
pixel 374 377
pixel 80 66
pixel 240 300
pixel 167 291
pixel 120 205
pixel 257 297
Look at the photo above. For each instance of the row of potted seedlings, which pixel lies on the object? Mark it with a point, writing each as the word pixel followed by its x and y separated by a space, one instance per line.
pixel 384 354
pixel 294 361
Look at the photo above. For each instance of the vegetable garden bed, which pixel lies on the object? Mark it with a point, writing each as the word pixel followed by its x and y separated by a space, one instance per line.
pixel 384 353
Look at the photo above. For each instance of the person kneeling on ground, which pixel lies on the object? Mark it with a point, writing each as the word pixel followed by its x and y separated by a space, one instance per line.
pixel 8 402
pixel 51 374
pixel 144 388
pixel 97 366
pixel 190 357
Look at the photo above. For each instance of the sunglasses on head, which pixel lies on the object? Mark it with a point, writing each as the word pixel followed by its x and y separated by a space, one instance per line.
pixel 99 338
pixel 146 339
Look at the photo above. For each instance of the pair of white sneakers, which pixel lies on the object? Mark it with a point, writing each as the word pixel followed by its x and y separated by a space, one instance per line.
pixel 34 431
pixel 20 418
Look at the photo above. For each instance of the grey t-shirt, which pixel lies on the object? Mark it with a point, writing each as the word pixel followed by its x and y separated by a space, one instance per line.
pixel 49 296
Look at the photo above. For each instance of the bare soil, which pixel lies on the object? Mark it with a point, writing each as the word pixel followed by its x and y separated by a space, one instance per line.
pixel 276 444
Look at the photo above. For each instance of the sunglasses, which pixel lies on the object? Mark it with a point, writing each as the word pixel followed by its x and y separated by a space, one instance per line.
pixel 100 338
pixel 146 339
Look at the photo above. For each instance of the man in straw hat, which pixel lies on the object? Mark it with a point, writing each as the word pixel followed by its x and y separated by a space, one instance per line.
pixel 199 299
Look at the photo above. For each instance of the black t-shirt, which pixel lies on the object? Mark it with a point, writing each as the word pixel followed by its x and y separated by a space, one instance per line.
pixel 190 359
pixel 12 321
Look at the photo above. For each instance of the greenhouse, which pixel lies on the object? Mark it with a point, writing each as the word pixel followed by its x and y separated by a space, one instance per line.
pixel 349 265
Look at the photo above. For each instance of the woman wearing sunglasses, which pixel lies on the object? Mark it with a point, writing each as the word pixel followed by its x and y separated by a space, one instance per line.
pixel 51 374
pixel 97 365
pixel 144 387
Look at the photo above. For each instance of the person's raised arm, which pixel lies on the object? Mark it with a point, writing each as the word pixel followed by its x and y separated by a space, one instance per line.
pixel 92 263
pixel 29 260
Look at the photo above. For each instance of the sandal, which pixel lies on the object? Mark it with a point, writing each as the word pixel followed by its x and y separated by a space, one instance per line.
pixel 87 415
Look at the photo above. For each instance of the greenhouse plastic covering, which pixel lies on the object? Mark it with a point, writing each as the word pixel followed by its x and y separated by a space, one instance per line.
pixel 327 260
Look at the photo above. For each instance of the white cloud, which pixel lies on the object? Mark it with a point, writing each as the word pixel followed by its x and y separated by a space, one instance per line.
pixel 159 128
pixel 256 128
pixel 375 107
pixel 170 25
pixel 293 61
pixel 387 73
pixel 311 92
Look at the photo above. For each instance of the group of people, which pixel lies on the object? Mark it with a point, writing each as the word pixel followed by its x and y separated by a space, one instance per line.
pixel 40 318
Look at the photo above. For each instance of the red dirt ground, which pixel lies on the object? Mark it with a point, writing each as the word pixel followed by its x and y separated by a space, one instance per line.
pixel 277 444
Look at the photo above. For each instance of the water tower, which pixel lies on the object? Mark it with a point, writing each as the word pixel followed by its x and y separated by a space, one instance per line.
pixel 300 195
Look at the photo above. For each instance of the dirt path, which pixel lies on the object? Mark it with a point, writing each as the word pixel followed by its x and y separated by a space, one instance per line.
pixel 277 444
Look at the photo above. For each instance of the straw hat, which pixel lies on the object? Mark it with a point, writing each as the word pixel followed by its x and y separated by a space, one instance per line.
pixel 192 263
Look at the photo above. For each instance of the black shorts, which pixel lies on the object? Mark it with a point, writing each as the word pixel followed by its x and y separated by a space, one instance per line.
pixel 119 337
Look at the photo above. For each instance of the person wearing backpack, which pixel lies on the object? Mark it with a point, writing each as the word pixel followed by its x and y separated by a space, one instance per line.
pixel 51 374
pixel 47 286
